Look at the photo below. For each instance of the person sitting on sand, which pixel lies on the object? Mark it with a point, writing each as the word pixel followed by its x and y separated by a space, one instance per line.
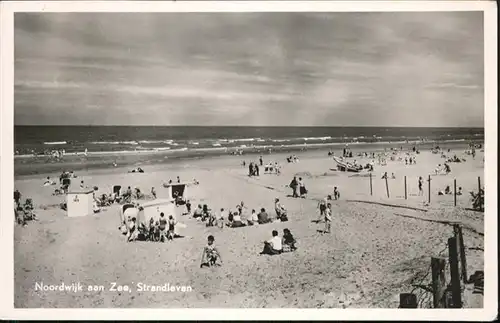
pixel 163 226
pixel 254 219
pixel 385 176
pixel 459 191
pixel 138 193
pixel 212 219
pixel 273 246
pixel 263 217
pixel 127 196
pixel 153 192
pixel 288 241
pixel 447 190
pixel 198 213
pixel 132 230
pixel 336 193
pixel 237 220
pixel 205 213
pixel 281 213
pixel 393 176
pixel 328 218
pixel 82 185
pixel 178 179
pixel 447 168
pixel 211 255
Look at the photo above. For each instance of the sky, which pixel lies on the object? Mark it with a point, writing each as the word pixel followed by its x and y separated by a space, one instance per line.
pixel 252 69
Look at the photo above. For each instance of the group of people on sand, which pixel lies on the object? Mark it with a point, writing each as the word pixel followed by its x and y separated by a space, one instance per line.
pixel 448 191
pixel 410 160
pixel 298 187
pixel 23 212
pixel 211 256
pixel 161 230
pixel 238 217
pixel 292 159
pixel 442 169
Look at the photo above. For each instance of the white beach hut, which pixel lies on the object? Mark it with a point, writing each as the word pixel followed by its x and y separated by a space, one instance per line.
pixel 80 203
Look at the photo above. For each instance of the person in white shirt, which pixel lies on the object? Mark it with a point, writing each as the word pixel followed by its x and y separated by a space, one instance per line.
pixel 274 245
pixel 254 219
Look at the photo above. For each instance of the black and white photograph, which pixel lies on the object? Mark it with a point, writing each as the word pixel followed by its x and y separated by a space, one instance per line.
pixel 250 159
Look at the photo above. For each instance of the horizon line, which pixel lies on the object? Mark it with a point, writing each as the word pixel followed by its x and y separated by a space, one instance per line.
pixel 227 126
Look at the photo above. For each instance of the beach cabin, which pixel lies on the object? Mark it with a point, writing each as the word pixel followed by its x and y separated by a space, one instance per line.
pixel 183 190
pixel 151 209
pixel 80 203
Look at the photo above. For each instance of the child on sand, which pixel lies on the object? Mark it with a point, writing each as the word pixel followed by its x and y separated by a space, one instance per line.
pixel 222 216
pixel 211 255
pixel 322 209
pixel 336 193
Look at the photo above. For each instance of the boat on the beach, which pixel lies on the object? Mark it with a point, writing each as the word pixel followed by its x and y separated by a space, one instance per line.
pixel 346 166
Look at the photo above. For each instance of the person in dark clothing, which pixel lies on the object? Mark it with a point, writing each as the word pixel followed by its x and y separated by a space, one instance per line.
pixel 263 217
pixel 288 241
pixel 17 197
pixel 261 161
pixel 163 226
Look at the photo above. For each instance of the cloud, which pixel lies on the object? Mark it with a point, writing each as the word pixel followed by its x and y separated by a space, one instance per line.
pixel 250 69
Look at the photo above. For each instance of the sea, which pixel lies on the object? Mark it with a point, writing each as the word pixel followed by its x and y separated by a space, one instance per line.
pixel 44 140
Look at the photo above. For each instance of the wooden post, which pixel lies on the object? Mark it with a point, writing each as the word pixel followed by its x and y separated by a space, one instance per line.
pixel 457 230
pixel 455 191
pixel 371 188
pixel 387 187
pixel 407 300
pixel 438 282
pixel 429 180
pixel 406 193
pixel 478 184
pixel 456 293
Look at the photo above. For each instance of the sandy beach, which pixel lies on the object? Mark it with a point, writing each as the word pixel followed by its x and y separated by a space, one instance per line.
pixel 374 253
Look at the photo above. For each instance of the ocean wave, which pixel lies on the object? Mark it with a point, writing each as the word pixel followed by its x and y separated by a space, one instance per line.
pixel 55 143
pixel 169 141
pixel 114 142
pixel 316 138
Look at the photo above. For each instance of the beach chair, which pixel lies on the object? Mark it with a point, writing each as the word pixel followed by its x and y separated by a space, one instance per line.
pixel 116 190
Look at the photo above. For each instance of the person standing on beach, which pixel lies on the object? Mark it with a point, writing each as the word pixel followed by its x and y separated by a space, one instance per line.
pixel 163 226
pixel 171 228
pixel 328 218
pixel 153 192
pixel 17 197
pixel 294 185
pixel 420 186
pixel 322 210
pixel 261 161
